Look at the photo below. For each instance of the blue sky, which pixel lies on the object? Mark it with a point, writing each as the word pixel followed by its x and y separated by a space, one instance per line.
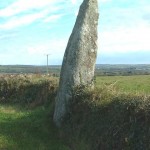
pixel 30 29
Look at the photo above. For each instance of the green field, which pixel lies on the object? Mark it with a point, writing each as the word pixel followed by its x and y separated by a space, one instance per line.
pixel 26 113
pixel 113 116
pixel 22 129
pixel 139 84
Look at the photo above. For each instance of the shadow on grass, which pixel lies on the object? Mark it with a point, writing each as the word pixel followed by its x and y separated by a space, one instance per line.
pixel 29 130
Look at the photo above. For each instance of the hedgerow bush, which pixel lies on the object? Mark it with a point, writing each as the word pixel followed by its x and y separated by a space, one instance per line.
pixel 104 119
pixel 27 89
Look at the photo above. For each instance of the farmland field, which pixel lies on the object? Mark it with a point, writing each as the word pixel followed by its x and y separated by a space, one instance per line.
pixel 118 113
pixel 139 84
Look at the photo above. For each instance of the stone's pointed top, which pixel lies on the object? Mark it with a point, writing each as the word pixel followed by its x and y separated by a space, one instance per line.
pixel 90 2
pixel 79 59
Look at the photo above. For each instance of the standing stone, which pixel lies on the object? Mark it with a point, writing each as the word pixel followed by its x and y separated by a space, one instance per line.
pixel 79 59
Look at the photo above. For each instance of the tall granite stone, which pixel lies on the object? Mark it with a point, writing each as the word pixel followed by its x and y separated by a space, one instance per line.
pixel 79 58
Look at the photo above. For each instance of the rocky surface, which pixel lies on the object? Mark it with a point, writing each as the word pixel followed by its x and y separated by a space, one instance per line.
pixel 79 59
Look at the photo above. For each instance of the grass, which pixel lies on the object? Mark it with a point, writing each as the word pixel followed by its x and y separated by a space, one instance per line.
pixel 139 84
pixel 113 116
pixel 22 129
pixel 26 113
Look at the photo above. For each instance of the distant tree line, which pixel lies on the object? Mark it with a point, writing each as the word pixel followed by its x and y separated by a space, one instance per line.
pixel 101 70
pixel 122 70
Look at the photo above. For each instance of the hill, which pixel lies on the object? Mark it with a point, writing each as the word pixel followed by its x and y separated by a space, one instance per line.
pixel 100 70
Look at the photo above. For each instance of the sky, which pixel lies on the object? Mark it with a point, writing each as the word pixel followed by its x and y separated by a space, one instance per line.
pixel 30 29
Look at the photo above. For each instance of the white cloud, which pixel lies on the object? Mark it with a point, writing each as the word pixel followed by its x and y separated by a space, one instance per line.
pixel 122 30
pixel 25 12
pixel 103 1
pixel 35 53
pixel 125 40
pixel 76 13
pixel 23 5
pixel 73 1
pixel 56 47
pixel 6 36
pixel 24 20
pixel 53 18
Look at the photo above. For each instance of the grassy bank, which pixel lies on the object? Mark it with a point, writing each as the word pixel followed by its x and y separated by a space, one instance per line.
pixel 26 113
pixel 108 120
pixel 113 116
